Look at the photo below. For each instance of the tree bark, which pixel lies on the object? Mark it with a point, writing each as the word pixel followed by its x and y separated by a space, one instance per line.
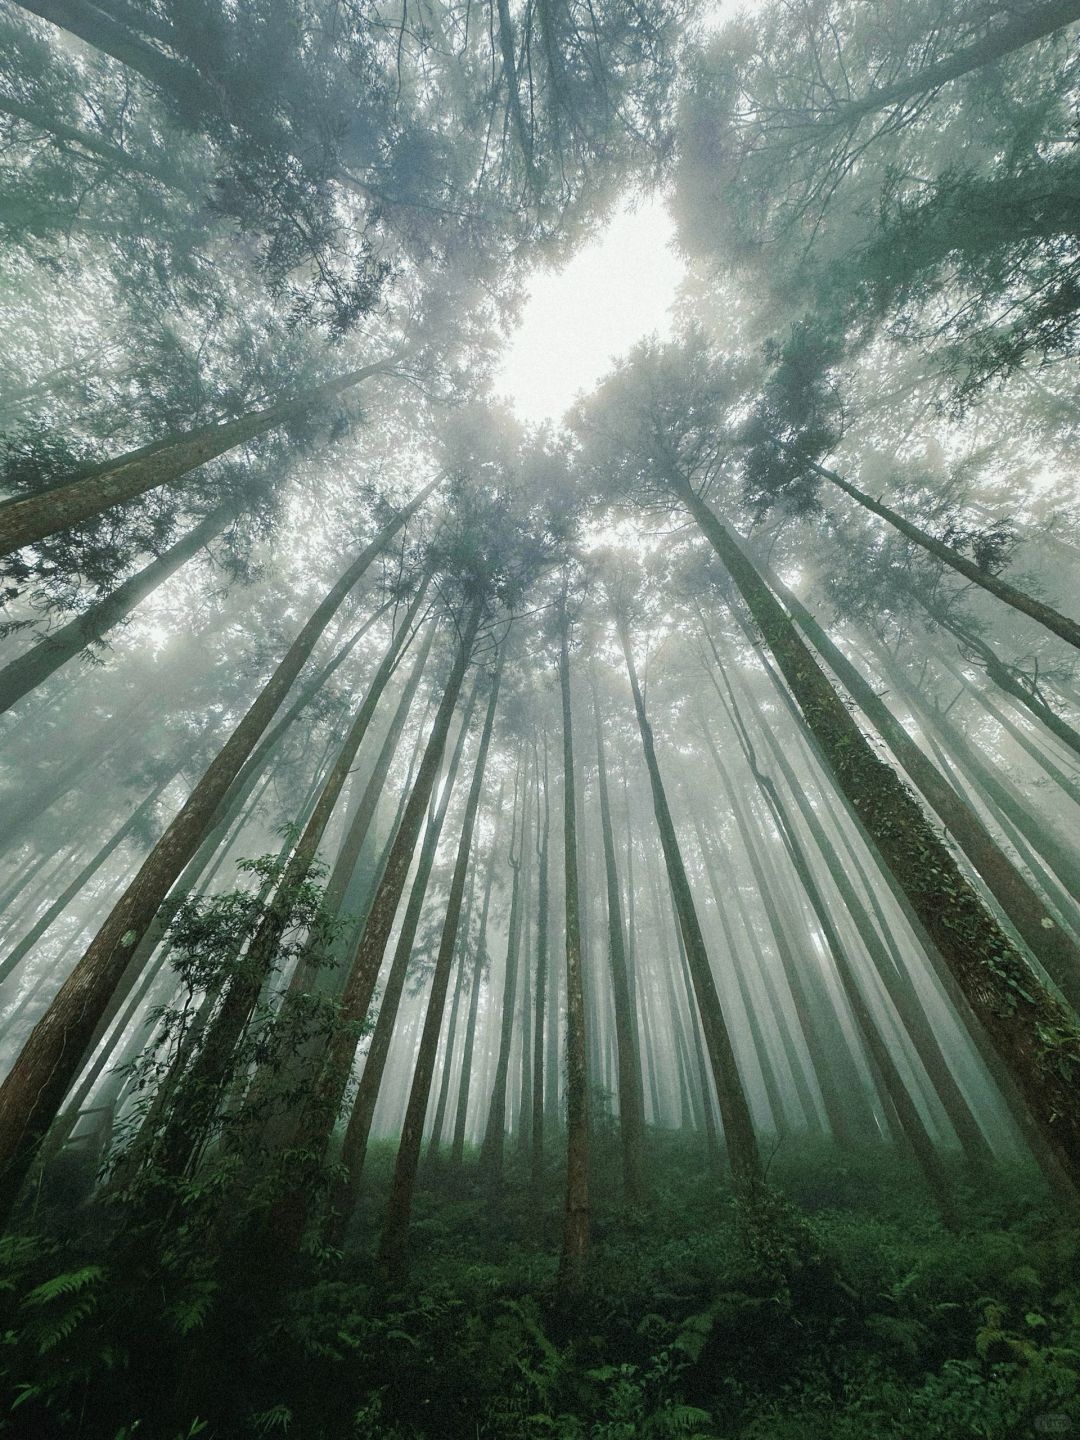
pixel 1037 1037
pixel 631 1099
pixel 358 1130
pixel 363 972
pixel 392 1246
pixel 493 1148
pixel 58 647
pixel 536 1158
pixel 33 1090
pixel 1054 950
pixel 27 519
pixel 734 1110
pixel 457 1148
pixel 575 1243
pixel 1060 625
pixel 193 1105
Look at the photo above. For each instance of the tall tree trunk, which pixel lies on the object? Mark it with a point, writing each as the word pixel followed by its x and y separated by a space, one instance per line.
pixel 55 649
pixel 461 1113
pixel 536 1168
pixel 88 871
pixel 1020 28
pixel 363 972
pixel 575 1244
pixel 392 1246
pixel 895 980
pixel 1037 1037
pixel 28 519
pixel 358 1130
pixel 493 1147
pixel 734 1110
pixel 1059 624
pixel 631 1100
pixel 847 1106
pixel 193 1106
pixel 91 24
pixel 893 975
pixel 438 1125
pixel 880 1056
pixel 976 650
pixel 36 1084
pixel 1025 908
pixel 757 1035
pixel 359 826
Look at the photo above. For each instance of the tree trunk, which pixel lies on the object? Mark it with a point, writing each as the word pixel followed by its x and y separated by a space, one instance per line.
pixel 1019 30
pixel 354 1147
pixel 363 972
pixel 457 1149
pixel 734 1110
pixel 1055 951
pixel 55 649
pixel 184 85
pixel 1037 1037
pixel 192 1108
pixel 438 1125
pixel 30 518
pixel 493 1147
pixel 88 871
pixel 94 145
pixel 392 1246
pixel 575 1244
pixel 631 1100
pixel 33 1090
pixel 1046 615
pixel 536 1167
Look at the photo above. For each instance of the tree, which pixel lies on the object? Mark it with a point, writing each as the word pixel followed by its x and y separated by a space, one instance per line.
pixel 35 1086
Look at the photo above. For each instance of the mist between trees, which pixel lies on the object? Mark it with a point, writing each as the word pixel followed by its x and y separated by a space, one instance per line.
pixel 522 930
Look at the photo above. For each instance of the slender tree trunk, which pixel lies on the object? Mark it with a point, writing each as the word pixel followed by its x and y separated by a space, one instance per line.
pixel 757 1035
pixel 1037 1037
pixel 54 650
pixel 977 651
pixel 358 1130
pixel 91 24
pixel 1046 615
pixel 192 1108
pixel 575 1244
pixel 537 1119
pixel 347 857
pixel 847 1107
pixel 1025 908
pixel 878 1052
pixel 1070 784
pixel 896 982
pixel 363 972
pixel 461 1114
pixel 631 1100
pixel 734 1110
pixel 88 871
pixel 392 1246
pixel 494 1143
pixel 439 1123
pixel 34 1088
pixel 26 520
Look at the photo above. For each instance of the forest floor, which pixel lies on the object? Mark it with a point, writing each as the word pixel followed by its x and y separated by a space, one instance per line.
pixel 852 1314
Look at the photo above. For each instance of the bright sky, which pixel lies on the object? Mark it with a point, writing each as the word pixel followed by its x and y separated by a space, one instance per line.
pixel 616 290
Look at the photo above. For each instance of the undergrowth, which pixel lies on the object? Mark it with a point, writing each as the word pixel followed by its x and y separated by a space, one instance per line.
pixel 848 1312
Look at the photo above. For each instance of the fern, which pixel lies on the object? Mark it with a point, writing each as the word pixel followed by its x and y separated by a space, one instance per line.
pixel 70 1283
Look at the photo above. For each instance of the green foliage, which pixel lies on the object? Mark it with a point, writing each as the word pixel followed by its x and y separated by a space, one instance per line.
pixel 830 1304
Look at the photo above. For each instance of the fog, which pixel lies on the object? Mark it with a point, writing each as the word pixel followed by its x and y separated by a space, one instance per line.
pixel 539 721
